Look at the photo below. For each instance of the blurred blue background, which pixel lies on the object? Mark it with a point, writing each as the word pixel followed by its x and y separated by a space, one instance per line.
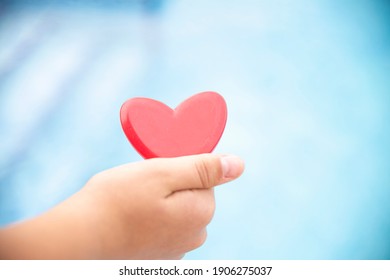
pixel 308 93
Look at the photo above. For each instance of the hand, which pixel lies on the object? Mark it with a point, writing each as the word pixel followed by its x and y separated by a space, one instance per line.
pixel 154 209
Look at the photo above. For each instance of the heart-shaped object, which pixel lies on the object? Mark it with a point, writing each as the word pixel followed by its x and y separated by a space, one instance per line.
pixel 193 127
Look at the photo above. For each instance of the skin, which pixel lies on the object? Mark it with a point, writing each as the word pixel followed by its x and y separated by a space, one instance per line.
pixel 154 209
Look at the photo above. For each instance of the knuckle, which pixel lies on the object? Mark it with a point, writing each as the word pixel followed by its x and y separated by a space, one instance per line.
pixel 204 174
pixel 201 239
pixel 206 213
pixel 202 210
pixel 198 240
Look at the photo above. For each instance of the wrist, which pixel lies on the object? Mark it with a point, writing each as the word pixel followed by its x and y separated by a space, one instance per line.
pixel 64 232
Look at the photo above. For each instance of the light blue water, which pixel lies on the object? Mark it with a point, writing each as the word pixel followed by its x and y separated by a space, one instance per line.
pixel 308 93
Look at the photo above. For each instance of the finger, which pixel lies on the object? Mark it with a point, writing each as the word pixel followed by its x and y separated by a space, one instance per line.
pixel 195 172
pixel 197 206
pixel 168 175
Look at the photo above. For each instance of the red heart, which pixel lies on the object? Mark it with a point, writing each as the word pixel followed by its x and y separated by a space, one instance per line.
pixel 194 127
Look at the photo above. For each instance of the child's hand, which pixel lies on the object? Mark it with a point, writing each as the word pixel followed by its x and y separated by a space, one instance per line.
pixel 154 209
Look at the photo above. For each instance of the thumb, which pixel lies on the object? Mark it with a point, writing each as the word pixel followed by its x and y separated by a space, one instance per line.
pixel 196 171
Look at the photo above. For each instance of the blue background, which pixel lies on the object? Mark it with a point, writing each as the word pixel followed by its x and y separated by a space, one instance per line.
pixel 308 93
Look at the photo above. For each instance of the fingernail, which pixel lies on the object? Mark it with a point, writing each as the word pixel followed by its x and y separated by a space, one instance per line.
pixel 232 166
